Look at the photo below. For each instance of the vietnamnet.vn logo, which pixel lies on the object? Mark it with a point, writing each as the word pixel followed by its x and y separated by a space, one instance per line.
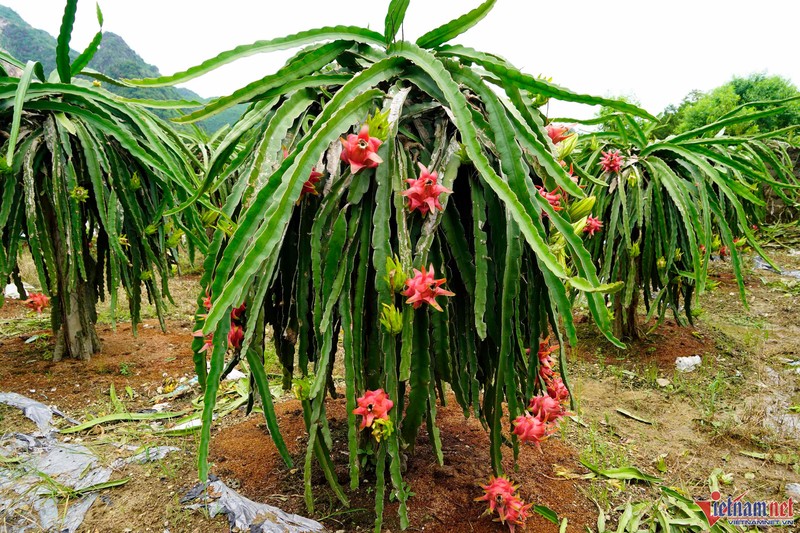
pixel 746 513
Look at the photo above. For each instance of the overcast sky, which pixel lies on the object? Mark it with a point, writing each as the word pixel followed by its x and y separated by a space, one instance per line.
pixel 653 50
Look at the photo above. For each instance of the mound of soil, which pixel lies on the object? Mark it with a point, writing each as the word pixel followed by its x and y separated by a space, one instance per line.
pixel 660 348
pixel 243 454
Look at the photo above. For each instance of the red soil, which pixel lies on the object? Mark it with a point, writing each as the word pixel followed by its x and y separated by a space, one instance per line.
pixel 443 500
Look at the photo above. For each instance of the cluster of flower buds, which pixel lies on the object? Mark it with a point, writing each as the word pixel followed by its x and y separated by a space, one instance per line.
pixel 500 496
pixel 378 124
pixel 544 411
pixel 374 409
pixel 37 301
pixel 391 319
pixel 79 194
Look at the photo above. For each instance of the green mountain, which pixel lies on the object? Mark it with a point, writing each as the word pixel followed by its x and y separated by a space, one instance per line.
pixel 114 58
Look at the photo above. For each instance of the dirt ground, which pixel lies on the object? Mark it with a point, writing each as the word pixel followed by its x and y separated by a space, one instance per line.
pixel 444 494
pixel 730 418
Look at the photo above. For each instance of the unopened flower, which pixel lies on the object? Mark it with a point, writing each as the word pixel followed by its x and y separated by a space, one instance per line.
pixel 661 263
pixel 558 132
pixel 79 194
pixel 593 225
pixel 136 182
pixel 382 428
pixel 423 193
pixel 395 276
pixel 374 404
pixel 37 301
pixel 301 388
pixel 174 239
pixel 209 218
pixel 531 429
pixel 391 319
pixel 424 288
pixel 360 151
pixel 611 161
pixel 566 147
pixel 378 124
pixel 723 252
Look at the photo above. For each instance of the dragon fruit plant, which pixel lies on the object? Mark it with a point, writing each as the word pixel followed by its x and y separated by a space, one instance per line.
pixel 665 207
pixel 85 180
pixel 386 197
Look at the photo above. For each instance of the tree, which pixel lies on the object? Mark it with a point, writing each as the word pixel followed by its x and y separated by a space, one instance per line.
pixel 425 249
pixel 699 109
pixel 86 180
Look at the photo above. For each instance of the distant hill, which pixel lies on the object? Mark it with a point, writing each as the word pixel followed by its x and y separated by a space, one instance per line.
pixel 114 58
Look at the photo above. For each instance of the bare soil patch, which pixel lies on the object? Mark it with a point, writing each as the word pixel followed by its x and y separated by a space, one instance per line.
pixel 143 363
pixel 443 500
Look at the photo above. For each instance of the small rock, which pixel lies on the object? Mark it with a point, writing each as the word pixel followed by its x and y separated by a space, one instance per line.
pixel 662 382
pixel 688 364
pixel 793 490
